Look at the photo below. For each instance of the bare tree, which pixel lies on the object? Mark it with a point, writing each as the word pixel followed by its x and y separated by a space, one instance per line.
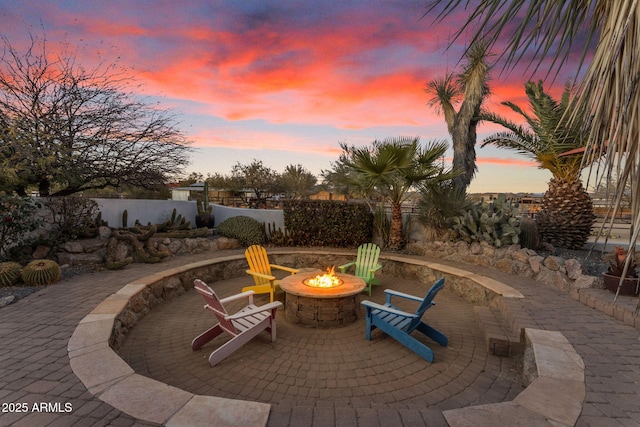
pixel 65 128
pixel 259 179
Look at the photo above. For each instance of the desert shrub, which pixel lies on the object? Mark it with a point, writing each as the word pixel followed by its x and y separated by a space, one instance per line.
pixel 328 223
pixel 440 203
pixel 496 223
pixel 70 218
pixel 247 231
pixel 18 220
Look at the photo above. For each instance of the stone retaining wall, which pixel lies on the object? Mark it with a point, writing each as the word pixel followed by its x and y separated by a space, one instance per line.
pixel 566 274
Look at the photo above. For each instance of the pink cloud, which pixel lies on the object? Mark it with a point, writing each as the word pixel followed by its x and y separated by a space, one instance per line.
pixel 498 161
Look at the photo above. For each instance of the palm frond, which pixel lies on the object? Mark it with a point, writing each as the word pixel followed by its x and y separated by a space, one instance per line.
pixel 542 28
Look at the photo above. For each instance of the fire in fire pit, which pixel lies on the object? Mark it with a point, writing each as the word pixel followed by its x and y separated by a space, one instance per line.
pixel 326 280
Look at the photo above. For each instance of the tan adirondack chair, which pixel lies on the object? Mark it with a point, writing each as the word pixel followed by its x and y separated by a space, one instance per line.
pixel 366 265
pixel 260 270
pixel 242 326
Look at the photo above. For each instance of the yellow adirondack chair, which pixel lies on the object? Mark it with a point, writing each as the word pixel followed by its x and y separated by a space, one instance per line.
pixel 366 265
pixel 260 270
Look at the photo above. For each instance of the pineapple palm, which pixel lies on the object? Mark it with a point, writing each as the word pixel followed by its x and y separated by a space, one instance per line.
pixel 566 217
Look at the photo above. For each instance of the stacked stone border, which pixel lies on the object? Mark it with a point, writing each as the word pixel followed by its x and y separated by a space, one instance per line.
pixel 93 345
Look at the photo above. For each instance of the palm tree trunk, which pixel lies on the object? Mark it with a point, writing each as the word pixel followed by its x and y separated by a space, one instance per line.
pixel 395 235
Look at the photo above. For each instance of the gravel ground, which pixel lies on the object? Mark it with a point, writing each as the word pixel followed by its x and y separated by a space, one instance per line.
pixel 19 292
pixel 591 261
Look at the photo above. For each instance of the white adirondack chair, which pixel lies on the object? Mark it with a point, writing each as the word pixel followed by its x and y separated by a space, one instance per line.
pixel 242 326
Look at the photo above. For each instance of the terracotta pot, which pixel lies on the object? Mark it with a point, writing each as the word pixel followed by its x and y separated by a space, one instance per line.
pixel 629 284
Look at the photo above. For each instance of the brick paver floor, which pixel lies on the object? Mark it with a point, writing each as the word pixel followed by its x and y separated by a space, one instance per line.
pixel 316 376
pixel 34 366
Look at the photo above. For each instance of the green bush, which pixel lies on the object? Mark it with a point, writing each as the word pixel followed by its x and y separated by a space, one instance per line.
pixel 328 223
pixel 247 231
pixel 494 222
pixel 17 222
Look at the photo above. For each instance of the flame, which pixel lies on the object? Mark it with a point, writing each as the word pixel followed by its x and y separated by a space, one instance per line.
pixel 327 280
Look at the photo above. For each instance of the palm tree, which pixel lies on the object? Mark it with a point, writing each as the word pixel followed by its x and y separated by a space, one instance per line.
pixel 609 89
pixel 297 182
pixel 566 217
pixel 391 168
pixel 472 86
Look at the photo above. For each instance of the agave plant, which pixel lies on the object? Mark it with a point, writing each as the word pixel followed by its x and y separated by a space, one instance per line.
pixel 566 217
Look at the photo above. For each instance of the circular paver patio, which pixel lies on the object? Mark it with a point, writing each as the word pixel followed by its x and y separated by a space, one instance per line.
pixel 325 370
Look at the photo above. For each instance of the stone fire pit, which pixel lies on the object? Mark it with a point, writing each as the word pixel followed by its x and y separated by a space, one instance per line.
pixel 321 307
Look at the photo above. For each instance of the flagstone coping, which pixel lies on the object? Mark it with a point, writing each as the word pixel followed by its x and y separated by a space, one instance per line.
pixel 110 379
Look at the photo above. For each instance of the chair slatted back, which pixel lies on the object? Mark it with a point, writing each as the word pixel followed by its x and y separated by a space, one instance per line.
pixel 214 304
pixel 259 262
pixel 425 304
pixel 367 259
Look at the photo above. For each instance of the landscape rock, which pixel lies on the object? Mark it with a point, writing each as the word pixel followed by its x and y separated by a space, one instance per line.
pixel 7 300
pixel 591 282
pixel 554 263
pixel 73 247
pixel 535 262
pixel 573 268
pixel 104 232
pixel 41 252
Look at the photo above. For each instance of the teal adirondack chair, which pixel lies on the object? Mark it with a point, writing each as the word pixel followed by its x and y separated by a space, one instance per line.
pixel 399 324
pixel 366 265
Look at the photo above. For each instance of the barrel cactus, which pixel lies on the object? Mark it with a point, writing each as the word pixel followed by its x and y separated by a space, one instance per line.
pixel 9 273
pixel 41 272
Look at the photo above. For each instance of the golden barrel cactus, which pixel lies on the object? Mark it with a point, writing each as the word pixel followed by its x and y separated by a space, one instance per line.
pixel 41 272
pixel 9 273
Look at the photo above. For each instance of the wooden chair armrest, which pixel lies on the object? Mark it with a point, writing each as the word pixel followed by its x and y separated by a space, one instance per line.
pixel 376 268
pixel 375 306
pixel 237 296
pixel 254 310
pixel 264 276
pixel 342 268
pixel 391 292
pixel 289 269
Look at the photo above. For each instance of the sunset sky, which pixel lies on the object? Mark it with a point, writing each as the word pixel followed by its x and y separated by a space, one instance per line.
pixel 283 81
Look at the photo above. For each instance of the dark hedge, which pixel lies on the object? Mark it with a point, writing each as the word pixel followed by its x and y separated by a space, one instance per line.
pixel 328 223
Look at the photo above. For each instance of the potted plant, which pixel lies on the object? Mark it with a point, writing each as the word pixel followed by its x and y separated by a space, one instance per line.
pixel 612 278
pixel 204 217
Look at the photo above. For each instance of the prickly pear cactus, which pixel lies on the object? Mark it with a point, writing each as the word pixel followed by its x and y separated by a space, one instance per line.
pixel 9 273
pixel 41 272
pixel 496 223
